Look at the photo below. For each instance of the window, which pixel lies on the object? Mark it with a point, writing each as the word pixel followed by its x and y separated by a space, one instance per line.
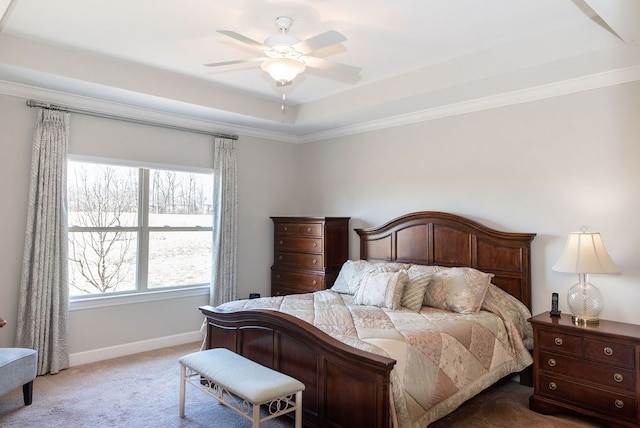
pixel 137 229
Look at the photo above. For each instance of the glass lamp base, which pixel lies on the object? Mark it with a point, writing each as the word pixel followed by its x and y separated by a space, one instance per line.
pixel 585 302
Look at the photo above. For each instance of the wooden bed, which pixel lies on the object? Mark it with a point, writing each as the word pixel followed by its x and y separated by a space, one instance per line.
pixel 347 387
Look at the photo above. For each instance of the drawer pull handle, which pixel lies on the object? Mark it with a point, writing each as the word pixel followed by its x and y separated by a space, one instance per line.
pixel 278 276
pixel 315 244
pixel 608 351
pixel 619 404
pixel 314 282
pixel 315 261
pixel 308 229
pixel 279 242
pixel 286 228
pixel 558 341
pixel 552 386
pixel 618 377
pixel 280 257
pixel 551 362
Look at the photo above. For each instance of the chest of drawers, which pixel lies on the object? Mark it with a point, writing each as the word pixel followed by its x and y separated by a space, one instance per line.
pixel 308 253
pixel 590 369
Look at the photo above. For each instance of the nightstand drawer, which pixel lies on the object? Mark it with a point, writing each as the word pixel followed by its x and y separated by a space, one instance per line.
pixel 620 406
pixel 559 341
pixel 301 260
pixel 610 352
pixel 602 374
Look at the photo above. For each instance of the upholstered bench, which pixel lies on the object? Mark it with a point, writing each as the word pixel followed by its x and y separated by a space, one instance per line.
pixel 241 385
pixel 18 367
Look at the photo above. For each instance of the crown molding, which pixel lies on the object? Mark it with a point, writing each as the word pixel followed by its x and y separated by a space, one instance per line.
pixel 566 87
pixel 570 86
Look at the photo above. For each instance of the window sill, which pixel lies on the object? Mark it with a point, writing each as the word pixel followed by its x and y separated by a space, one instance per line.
pixel 80 304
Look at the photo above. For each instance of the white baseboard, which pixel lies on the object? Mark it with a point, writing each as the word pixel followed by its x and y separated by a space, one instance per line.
pixel 94 355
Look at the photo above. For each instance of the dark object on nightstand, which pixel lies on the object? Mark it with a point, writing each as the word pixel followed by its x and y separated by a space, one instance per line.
pixel 554 305
pixel 308 253
pixel 591 369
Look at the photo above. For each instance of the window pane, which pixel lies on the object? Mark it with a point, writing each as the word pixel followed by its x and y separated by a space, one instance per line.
pixel 179 258
pixel 179 198
pixel 102 195
pixel 102 262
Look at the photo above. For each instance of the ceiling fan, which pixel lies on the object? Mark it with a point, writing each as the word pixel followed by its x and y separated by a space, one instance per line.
pixel 286 56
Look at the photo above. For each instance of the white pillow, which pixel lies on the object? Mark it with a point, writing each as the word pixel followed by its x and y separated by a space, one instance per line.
pixel 353 272
pixel 382 289
pixel 458 289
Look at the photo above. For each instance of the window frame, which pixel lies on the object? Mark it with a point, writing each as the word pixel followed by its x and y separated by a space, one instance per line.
pixel 142 291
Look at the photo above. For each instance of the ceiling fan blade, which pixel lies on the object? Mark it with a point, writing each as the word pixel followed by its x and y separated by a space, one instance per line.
pixel 244 39
pixel 238 61
pixel 320 41
pixel 334 67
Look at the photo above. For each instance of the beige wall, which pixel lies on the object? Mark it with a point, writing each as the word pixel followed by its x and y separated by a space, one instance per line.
pixel 547 167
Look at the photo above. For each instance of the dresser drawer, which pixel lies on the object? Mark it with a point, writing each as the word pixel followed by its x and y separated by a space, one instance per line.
pixel 304 282
pixel 308 245
pixel 620 406
pixel 310 229
pixel 559 341
pixel 300 260
pixel 602 374
pixel 285 229
pixel 611 352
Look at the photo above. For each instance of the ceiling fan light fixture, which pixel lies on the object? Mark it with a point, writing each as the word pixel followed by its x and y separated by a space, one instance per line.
pixel 283 70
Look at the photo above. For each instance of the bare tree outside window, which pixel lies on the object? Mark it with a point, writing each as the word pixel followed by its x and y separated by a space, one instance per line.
pixel 110 235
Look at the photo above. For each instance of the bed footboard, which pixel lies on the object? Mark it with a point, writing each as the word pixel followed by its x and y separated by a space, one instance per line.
pixel 344 386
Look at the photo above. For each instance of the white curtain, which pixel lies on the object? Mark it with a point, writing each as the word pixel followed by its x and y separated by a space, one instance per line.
pixel 44 290
pixel 225 222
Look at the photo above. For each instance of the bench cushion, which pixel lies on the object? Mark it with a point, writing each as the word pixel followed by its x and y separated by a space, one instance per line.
pixel 255 383
pixel 18 366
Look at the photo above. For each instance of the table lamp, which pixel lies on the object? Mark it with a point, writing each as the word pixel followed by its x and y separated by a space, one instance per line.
pixel 584 254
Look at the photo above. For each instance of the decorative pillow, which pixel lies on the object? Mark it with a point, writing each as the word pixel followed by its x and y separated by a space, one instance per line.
pixel 382 289
pixel 413 295
pixel 353 272
pixel 459 290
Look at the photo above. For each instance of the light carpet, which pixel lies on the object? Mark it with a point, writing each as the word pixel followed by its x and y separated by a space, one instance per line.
pixel 142 390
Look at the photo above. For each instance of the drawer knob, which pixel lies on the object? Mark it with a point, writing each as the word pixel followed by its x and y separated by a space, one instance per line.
pixel 308 229
pixel 278 276
pixel 314 282
pixel 315 244
pixel 551 362
pixel 279 242
pixel 552 386
pixel 286 228
pixel 608 351
pixel 618 377
pixel 280 257
pixel 558 341
pixel 315 261
pixel 619 404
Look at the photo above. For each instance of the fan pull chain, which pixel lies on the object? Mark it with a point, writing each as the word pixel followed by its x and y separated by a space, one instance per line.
pixel 282 107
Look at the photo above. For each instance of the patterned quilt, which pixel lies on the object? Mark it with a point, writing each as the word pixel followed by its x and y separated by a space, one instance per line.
pixel 443 358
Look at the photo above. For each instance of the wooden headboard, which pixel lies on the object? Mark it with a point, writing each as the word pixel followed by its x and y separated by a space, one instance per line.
pixel 437 238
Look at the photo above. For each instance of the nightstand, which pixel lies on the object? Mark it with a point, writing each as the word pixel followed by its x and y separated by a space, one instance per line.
pixel 590 369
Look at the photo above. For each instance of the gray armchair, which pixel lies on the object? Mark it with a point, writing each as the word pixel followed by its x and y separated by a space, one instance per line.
pixel 18 367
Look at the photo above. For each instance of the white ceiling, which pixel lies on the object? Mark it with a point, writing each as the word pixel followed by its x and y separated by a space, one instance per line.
pixel 415 55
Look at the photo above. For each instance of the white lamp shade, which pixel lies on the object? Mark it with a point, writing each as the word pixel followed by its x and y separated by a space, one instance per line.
pixel 283 70
pixel 585 253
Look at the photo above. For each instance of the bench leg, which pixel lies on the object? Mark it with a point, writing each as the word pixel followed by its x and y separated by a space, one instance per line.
pixel 27 393
pixel 299 409
pixel 256 416
pixel 183 381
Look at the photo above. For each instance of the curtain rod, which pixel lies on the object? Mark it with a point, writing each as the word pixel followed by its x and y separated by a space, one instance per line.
pixel 34 103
